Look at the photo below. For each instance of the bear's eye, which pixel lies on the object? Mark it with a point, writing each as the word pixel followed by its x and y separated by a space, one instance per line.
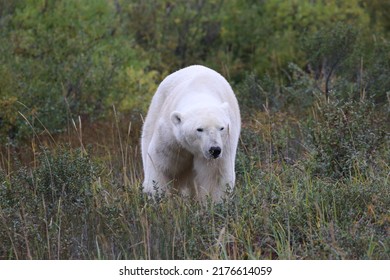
pixel 222 128
pixel 200 129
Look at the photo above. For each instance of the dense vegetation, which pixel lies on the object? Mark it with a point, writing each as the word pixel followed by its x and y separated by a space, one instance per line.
pixel 313 83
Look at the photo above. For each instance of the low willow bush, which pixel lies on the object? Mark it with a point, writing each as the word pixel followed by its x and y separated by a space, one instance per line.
pixel 346 137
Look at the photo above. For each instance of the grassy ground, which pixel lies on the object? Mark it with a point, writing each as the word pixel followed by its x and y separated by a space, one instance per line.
pixel 82 200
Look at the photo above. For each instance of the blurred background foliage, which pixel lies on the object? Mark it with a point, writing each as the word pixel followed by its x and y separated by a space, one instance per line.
pixel 62 59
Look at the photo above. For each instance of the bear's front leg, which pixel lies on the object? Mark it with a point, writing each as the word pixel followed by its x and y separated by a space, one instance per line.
pixel 213 178
pixel 154 181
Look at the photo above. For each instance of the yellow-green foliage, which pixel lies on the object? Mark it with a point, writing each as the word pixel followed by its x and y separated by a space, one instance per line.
pixel 8 115
pixel 67 58
pixel 140 85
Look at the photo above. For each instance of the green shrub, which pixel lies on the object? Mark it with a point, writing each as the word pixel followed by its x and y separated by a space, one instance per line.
pixel 62 59
pixel 263 37
pixel 329 48
pixel 50 202
pixel 176 34
pixel 346 137
pixel 347 63
pixel 376 67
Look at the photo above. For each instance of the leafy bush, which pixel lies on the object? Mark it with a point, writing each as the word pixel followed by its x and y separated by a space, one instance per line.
pixel 377 71
pixel 174 34
pixel 52 201
pixel 329 49
pixel 297 96
pixel 346 137
pixel 345 62
pixel 61 59
pixel 264 37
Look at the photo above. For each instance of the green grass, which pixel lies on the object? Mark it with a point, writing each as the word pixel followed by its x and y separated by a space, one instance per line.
pixel 86 203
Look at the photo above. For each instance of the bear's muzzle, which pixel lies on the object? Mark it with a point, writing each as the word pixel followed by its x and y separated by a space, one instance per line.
pixel 215 152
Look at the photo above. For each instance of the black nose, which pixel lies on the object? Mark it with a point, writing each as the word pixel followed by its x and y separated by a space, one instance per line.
pixel 215 151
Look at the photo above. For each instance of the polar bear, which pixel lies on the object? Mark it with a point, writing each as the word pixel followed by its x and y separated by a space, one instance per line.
pixel 190 135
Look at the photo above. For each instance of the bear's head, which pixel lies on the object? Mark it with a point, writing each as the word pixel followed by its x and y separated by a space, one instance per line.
pixel 202 131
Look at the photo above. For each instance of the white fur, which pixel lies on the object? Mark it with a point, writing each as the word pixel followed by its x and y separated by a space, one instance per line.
pixel 193 113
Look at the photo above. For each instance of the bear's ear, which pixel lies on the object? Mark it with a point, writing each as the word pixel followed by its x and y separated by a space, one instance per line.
pixel 176 118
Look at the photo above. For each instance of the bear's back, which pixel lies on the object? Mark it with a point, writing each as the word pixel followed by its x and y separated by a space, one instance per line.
pixel 193 82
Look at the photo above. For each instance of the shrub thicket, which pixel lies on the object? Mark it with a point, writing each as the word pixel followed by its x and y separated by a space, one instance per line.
pixel 347 137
